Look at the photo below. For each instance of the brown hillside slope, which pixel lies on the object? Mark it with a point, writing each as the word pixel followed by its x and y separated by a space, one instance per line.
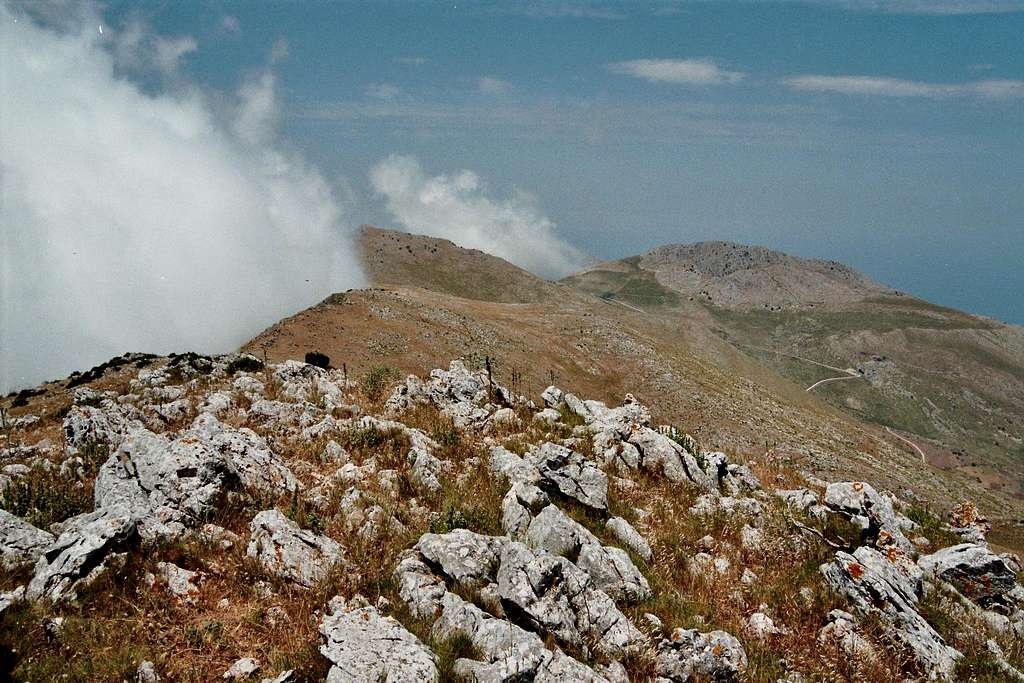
pixel 602 349
pixel 951 381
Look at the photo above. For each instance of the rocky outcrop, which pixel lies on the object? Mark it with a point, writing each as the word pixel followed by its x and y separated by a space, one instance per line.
pixel 252 461
pixel 106 426
pixel 76 557
pixel 167 484
pixel 281 548
pixel 362 645
pixel 570 474
pixel 873 512
pixel 629 537
pixel 687 654
pixel 21 543
pixel 463 556
pixel 876 586
pixel 974 570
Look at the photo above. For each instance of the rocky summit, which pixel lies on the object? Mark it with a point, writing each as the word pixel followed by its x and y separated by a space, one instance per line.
pixel 194 519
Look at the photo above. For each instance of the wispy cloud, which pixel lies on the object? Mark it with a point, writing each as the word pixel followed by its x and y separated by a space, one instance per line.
pixel 230 23
pixel 995 89
pixel 411 61
pixel 489 85
pixel 684 71
pixel 937 7
pixel 382 91
pixel 278 51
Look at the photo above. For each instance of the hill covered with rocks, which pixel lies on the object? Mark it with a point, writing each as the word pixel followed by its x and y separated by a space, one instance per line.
pixel 193 518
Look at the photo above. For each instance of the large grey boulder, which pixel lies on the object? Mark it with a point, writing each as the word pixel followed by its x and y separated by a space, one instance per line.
pixel 21 543
pixel 168 485
pixel 418 586
pixel 861 503
pixel 613 572
pixel 363 645
pixel 557 597
pixel 687 653
pixel 76 557
pixel 105 426
pixel 802 500
pixel 558 533
pixel 463 556
pixel 661 455
pixel 508 652
pixel 569 473
pixel 610 569
pixel 281 548
pixel 518 506
pixel 255 464
pixel 876 586
pixel 974 570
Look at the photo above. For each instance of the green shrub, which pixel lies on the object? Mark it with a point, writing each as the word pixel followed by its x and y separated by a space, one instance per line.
pixel 377 380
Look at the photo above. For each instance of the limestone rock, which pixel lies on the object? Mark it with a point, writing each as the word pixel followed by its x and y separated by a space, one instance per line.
pixel 841 632
pixel 613 572
pixel 572 475
pixel 861 503
pixel 283 549
pixel 363 645
pixel 687 653
pixel 21 543
pixel 464 556
pixel 78 552
pixel 256 466
pixel 975 570
pixel 418 586
pixel 167 484
pixel 242 669
pixel 874 585
pixel 630 537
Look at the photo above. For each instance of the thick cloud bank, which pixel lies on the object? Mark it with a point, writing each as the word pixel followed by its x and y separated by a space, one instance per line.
pixel 455 207
pixel 140 221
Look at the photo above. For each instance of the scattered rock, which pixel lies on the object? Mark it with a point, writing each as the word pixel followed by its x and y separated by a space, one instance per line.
pixel 874 585
pixel 572 475
pixel 146 673
pixel 241 669
pixel 687 653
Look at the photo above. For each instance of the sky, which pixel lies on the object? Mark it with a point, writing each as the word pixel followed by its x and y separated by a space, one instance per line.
pixel 883 134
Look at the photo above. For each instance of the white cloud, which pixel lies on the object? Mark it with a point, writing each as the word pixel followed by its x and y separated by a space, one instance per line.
pixel 230 23
pixel 894 87
pixel 144 221
pixel 456 207
pixel 411 61
pixel 686 71
pixel 489 85
pixel 382 91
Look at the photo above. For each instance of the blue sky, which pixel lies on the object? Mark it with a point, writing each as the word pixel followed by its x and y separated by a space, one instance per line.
pixel 887 135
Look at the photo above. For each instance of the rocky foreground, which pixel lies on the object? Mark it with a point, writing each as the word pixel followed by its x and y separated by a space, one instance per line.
pixel 206 518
